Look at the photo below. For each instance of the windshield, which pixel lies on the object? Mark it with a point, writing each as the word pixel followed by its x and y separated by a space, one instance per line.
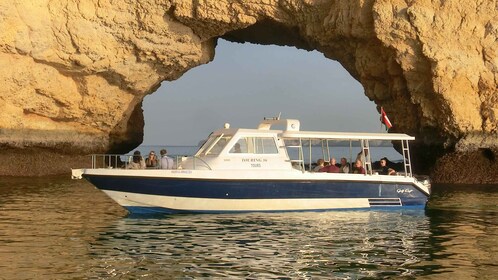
pixel 214 145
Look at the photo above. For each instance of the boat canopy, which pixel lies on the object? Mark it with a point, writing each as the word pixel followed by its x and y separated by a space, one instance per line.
pixel 292 131
pixel 345 135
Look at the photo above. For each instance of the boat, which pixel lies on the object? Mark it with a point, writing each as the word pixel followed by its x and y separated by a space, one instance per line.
pixel 266 169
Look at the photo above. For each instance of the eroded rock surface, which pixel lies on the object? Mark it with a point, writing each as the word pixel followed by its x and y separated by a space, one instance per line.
pixel 74 73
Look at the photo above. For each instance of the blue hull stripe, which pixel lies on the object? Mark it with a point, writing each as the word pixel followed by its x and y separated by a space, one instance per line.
pixel 137 211
pixel 258 189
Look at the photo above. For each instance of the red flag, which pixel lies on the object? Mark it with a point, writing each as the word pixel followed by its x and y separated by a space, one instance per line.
pixel 384 119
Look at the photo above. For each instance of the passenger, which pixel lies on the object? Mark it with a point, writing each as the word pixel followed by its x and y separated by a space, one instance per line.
pixel 384 169
pixel 297 165
pixel 137 161
pixel 344 166
pixel 331 168
pixel 236 148
pixel 166 162
pixel 358 167
pixel 319 165
pixel 362 155
pixel 151 161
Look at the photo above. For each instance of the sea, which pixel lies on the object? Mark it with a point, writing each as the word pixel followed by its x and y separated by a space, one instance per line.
pixel 57 228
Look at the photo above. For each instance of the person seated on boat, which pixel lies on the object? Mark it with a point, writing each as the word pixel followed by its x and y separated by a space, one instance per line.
pixel 137 161
pixel 331 168
pixel 151 160
pixel 236 148
pixel 384 169
pixel 297 165
pixel 320 163
pixel 358 167
pixel 344 166
pixel 324 168
pixel 166 161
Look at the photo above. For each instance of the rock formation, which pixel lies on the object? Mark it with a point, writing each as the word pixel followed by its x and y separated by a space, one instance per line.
pixel 74 73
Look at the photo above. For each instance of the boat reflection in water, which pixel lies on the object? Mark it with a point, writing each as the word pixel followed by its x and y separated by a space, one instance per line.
pixel 270 245
pixel 248 170
pixel 66 229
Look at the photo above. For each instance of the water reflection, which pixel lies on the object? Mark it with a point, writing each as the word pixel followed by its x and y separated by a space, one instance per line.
pixel 46 225
pixel 464 231
pixel 296 245
pixel 58 228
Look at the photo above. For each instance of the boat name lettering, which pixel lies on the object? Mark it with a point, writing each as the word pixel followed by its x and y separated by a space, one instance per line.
pixel 254 160
pixel 404 190
pixel 182 171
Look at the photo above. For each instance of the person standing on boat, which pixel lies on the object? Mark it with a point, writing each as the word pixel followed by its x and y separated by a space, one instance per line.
pixel 358 167
pixel 166 162
pixel 344 166
pixel 362 155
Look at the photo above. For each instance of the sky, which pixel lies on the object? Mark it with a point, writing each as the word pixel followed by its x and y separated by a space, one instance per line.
pixel 247 82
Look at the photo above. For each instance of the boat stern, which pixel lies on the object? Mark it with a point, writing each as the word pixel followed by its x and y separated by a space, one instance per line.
pixel 424 183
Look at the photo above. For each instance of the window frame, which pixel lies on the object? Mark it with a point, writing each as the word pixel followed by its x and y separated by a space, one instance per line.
pixel 257 145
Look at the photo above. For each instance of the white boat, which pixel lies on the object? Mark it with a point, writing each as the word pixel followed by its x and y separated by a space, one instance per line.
pixel 263 169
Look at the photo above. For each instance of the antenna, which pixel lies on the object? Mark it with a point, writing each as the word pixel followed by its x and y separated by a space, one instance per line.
pixel 274 118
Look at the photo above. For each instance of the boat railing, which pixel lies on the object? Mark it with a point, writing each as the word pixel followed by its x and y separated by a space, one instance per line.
pixel 197 163
pixel 121 161
pixel 110 160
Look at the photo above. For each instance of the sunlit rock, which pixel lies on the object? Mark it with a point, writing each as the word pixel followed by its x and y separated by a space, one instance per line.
pixel 74 73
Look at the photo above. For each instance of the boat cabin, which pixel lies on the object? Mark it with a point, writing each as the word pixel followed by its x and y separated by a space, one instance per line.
pixel 266 148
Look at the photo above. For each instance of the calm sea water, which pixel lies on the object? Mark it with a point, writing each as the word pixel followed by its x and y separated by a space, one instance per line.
pixel 57 228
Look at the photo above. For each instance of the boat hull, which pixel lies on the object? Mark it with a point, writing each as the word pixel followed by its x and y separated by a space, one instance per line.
pixel 178 195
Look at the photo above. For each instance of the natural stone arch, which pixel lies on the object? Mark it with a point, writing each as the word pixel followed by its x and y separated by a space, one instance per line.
pixel 74 73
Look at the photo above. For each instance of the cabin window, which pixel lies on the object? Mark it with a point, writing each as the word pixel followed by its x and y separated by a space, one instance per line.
pixel 240 146
pixel 265 146
pixel 255 145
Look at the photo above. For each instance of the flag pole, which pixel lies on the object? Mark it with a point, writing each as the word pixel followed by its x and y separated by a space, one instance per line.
pixel 380 118
pixel 384 120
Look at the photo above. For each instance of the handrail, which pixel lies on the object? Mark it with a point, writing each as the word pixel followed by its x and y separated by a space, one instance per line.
pixel 109 160
pixel 117 161
pixel 203 161
pixel 300 154
pixel 113 161
pixel 406 158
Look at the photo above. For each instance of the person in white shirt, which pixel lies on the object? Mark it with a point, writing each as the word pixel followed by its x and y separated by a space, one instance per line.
pixel 344 166
pixel 166 162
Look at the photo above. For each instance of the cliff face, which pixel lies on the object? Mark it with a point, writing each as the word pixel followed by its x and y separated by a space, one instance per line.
pixel 74 73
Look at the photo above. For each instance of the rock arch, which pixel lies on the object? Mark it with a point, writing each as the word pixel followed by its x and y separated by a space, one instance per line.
pixel 74 73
